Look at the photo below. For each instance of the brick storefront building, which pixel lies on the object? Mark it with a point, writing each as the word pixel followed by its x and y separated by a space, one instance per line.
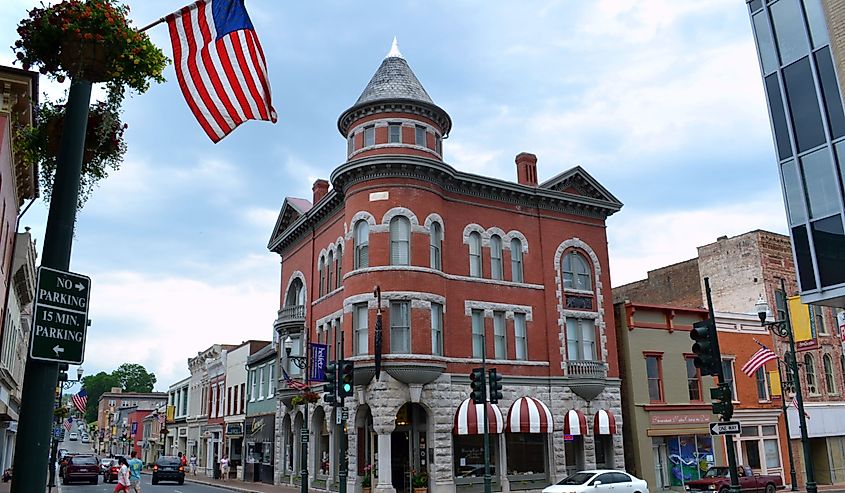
pixel 467 265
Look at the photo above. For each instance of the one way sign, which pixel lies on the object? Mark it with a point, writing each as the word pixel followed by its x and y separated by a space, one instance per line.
pixel 725 428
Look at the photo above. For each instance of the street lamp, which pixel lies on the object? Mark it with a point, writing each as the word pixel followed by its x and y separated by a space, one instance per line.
pixel 66 384
pixel 302 363
pixel 783 329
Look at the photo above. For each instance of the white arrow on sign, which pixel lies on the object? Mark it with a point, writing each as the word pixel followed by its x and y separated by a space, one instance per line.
pixel 58 349
pixel 725 428
pixel 79 286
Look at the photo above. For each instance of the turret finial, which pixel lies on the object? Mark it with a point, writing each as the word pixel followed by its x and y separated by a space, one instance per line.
pixel 394 50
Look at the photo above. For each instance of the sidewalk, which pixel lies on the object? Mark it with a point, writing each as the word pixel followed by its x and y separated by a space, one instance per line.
pixel 240 486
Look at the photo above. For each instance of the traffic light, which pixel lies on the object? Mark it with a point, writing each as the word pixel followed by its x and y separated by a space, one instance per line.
pixel 63 367
pixel 722 401
pixel 495 386
pixel 347 371
pixel 330 397
pixel 478 386
pixel 707 357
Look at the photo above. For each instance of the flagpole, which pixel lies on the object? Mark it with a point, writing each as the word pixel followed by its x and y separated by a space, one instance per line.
pixel 164 19
pixel 152 24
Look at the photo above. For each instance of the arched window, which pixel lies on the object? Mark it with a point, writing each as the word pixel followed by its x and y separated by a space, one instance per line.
pixel 475 254
pixel 829 381
pixel 516 260
pixel 810 372
pixel 362 242
pixel 436 241
pixel 329 272
pixel 576 272
pixel 321 271
pixel 400 241
pixel 296 293
pixel 338 267
pixel 495 257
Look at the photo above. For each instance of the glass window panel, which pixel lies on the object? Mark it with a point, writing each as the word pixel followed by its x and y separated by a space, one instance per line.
pixel 369 136
pixel 750 431
pixel 776 110
pixel 400 327
pixel 769 431
pixel 820 183
pixel 728 370
pixel 520 336
pixel 572 339
pixel 360 321
pixel 362 240
pixel 499 337
pixel 803 105
pixel 801 246
pixel 516 260
pixel 830 92
pixel 765 42
pixel 477 333
pixel 789 30
pixel 693 380
pixel 762 385
pixel 495 257
pixel 588 339
pixel 829 241
pixel 437 329
pixel 419 136
pixel 770 448
pixel 400 240
pixel 475 254
pixel 794 194
pixel 435 246
pixel 755 5
pixel 394 133
pixel 818 26
pixel 751 451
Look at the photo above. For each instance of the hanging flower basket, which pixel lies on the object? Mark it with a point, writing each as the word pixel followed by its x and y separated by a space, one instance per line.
pixel 89 39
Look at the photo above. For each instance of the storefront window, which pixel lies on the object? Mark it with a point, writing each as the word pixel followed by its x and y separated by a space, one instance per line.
pixel 526 453
pixel 770 448
pixel 690 456
pixel 469 456
pixel 573 449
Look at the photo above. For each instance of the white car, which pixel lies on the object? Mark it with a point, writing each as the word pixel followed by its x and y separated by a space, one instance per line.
pixel 73 437
pixel 85 439
pixel 599 481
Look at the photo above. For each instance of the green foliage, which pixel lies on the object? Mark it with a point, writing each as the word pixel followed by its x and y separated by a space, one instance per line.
pixel 95 386
pixel 134 378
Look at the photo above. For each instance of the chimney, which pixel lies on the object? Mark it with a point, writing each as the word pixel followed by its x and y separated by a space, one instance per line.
pixel 526 169
pixel 320 189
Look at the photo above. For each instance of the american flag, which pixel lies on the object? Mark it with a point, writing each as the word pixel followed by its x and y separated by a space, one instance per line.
pixel 161 418
pixel 220 65
pixel 294 384
pixel 758 359
pixel 80 400
pixel 795 404
pixel 68 423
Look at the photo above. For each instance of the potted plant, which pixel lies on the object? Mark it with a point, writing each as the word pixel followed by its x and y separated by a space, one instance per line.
pixel 367 479
pixel 419 481
pixel 297 400
pixel 310 396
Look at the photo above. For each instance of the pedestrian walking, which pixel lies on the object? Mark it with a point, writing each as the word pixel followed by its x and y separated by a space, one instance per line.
pixel 183 459
pixel 224 467
pixel 122 476
pixel 193 463
pixel 135 466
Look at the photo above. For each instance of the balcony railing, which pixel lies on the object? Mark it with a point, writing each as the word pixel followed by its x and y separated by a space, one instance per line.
pixel 586 369
pixel 290 316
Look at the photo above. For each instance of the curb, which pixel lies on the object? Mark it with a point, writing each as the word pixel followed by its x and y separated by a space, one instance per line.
pixel 224 486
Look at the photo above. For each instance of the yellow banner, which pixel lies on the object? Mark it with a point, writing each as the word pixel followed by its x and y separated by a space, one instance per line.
pixel 774 383
pixel 171 412
pixel 799 315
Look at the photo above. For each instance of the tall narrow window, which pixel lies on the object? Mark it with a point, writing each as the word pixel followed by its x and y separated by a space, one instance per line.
pixel 436 243
pixel 829 381
pixel 362 242
pixel 271 380
pixel 495 257
pixel 394 133
pixel 516 260
pixel 400 327
pixel 500 345
pixel 338 267
pixel 693 381
pixel 321 271
pixel 437 329
pixel 818 317
pixel 580 339
pixel 810 372
pixel 762 384
pixel 400 241
pixel 728 370
pixel 576 272
pixel 520 336
pixel 654 373
pixel 369 136
pixel 477 333
pixel 261 383
pixel 475 254
pixel 359 327
pixel 419 136
pixel 329 272
pixel 350 144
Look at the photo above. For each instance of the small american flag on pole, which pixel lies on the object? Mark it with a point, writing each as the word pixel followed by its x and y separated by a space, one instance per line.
pixel 80 400
pixel 294 384
pixel 68 423
pixel 220 65
pixel 758 359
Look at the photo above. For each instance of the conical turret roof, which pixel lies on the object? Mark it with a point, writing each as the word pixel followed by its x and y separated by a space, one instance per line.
pixel 394 79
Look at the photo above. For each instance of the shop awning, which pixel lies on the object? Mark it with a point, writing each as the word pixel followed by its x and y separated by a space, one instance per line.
pixel 574 423
pixel 469 419
pixel 529 415
pixel 604 423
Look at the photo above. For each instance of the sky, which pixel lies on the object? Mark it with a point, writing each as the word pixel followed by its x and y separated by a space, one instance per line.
pixel 659 100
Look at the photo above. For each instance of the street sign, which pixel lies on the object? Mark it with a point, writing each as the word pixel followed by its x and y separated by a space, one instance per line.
pixel 61 316
pixel 303 436
pixel 725 428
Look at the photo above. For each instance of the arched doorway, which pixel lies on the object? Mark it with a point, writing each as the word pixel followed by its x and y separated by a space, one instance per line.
pixel 409 445
pixel 320 454
pixel 365 443
pixel 287 446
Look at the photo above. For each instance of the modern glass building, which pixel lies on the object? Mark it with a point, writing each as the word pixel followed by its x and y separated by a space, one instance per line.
pixel 799 60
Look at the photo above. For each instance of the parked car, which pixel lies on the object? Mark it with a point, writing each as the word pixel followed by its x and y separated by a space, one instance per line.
pixel 168 468
pixel 81 468
pixel 73 436
pixel 717 478
pixel 85 439
pixel 599 481
pixel 111 472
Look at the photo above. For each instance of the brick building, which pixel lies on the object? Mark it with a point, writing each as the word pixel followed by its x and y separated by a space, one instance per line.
pixel 113 409
pixel 469 266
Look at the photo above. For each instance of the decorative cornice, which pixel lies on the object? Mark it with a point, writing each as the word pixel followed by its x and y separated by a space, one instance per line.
pixel 411 106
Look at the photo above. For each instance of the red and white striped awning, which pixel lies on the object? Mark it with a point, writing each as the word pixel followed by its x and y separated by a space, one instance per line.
pixel 529 415
pixel 574 423
pixel 469 419
pixel 604 423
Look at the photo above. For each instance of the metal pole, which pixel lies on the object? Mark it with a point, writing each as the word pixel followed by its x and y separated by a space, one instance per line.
pixel 343 445
pixel 36 414
pixel 488 480
pixel 729 439
pixel 303 438
pixel 792 477
pixel 802 418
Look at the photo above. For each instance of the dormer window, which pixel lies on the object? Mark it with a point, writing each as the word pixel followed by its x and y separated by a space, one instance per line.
pixel 394 133
pixel 419 136
pixel 369 136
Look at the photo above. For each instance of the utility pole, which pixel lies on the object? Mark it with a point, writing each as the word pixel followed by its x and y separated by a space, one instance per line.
pixel 36 414
pixel 343 443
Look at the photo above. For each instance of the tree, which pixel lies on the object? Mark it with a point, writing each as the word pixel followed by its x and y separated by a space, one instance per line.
pixel 95 386
pixel 134 378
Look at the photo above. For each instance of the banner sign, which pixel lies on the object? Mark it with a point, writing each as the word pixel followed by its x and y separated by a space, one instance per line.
pixel 318 354
pixel 134 428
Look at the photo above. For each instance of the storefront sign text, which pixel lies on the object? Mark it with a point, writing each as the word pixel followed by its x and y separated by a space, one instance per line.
pixel 679 419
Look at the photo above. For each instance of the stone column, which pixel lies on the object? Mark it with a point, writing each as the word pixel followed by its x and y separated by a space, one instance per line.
pixel 502 469
pixel 385 475
pixel 333 447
